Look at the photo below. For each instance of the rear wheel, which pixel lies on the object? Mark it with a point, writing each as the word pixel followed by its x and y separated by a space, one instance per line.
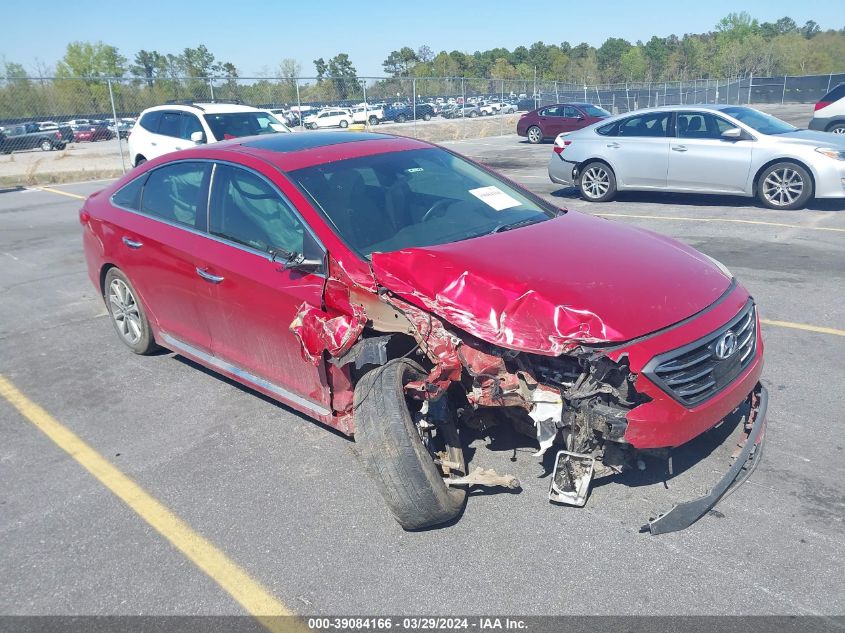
pixel 401 118
pixel 426 117
pixel 408 454
pixel 344 123
pixel 373 120
pixel 535 134
pixel 140 160
pixel 597 182
pixel 127 313
pixel 785 186
pixel 473 114
pixel 46 145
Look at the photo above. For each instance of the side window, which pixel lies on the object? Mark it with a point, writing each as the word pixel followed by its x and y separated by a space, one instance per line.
pixel 129 196
pixel 176 193
pixel 654 124
pixel 150 121
pixel 553 111
pixel 189 124
pixel 169 125
pixel 246 209
pixel 701 125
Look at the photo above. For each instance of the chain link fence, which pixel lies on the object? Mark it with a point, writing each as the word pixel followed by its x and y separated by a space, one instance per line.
pixel 86 121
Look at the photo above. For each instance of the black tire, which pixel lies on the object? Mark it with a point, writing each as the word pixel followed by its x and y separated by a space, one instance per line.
pixel 473 114
pixel 426 117
pixel 401 118
pixel 597 182
pixel 784 186
pixel 140 160
pixel 145 344
pixel 373 120
pixel 344 123
pixel 534 135
pixel 836 128
pixel 46 145
pixel 394 454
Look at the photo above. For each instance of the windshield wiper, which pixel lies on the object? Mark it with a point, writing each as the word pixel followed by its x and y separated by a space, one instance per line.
pixel 515 225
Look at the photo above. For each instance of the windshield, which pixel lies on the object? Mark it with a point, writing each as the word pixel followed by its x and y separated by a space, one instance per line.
pixel 595 110
pixel 763 123
pixel 236 124
pixel 416 198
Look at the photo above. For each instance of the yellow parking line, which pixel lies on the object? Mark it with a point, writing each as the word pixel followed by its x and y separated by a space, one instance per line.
pixel 61 193
pixel 235 581
pixel 734 220
pixel 804 326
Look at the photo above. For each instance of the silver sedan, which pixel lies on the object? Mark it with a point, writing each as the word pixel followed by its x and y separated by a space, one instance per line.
pixel 720 149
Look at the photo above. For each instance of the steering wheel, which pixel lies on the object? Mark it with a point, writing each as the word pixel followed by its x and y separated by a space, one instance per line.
pixel 440 205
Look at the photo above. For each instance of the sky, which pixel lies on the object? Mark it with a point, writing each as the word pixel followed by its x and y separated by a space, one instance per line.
pixel 256 36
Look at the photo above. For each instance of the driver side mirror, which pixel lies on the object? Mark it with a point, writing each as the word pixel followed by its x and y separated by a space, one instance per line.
pixel 732 134
pixel 198 137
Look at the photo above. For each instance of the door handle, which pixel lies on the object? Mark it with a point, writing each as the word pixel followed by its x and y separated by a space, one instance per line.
pixel 153 143
pixel 132 243
pixel 679 148
pixel 613 145
pixel 202 272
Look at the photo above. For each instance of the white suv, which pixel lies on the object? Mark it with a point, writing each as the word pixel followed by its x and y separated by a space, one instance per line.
pixel 829 113
pixel 330 117
pixel 167 128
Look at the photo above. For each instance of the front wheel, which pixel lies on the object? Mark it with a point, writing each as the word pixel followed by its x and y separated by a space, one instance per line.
pixel 407 454
pixel 837 128
pixel 597 182
pixel 401 118
pixel 785 186
pixel 127 313
pixel 344 124
pixel 373 120
pixel 426 117
pixel 534 134
pixel 46 145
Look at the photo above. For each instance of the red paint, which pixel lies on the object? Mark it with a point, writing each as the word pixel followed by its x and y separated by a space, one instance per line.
pixel 547 287
pixel 551 126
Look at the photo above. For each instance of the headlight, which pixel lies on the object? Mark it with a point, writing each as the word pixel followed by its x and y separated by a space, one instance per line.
pixel 721 267
pixel 836 154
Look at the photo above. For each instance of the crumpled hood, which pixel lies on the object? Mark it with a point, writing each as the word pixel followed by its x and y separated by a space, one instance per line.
pixel 547 287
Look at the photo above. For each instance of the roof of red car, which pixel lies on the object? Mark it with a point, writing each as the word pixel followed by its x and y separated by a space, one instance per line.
pixel 297 150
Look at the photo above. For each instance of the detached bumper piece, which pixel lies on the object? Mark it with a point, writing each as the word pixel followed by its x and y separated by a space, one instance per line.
pixel 685 514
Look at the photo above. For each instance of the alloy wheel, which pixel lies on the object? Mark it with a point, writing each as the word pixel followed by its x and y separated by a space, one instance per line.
pixel 783 187
pixel 595 182
pixel 124 311
pixel 535 135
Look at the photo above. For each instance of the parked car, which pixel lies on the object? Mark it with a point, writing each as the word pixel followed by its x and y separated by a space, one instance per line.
pixel 462 111
pixel 330 117
pixel 829 113
pixel 410 292
pixel 404 112
pixel 708 149
pixel 167 128
pixel 549 121
pixel 91 133
pixel 488 108
pixel 23 136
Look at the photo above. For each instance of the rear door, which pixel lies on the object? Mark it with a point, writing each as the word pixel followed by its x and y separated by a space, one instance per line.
pixel 254 299
pixel 168 139
pixel 638 150
pixel 551 121
pixel 156 237
pixel 701 160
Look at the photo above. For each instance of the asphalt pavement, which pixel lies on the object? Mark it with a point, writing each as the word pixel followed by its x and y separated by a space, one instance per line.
pixel 287 501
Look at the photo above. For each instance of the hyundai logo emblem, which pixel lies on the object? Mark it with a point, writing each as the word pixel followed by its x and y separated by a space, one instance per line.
pixel 726 346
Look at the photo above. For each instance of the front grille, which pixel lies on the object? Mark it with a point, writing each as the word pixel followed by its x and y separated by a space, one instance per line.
pixel 695 372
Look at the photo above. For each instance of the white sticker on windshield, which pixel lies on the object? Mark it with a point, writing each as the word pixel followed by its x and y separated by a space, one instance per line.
pixel 495 197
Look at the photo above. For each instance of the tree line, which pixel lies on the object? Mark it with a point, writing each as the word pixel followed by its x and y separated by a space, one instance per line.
pixel 737 46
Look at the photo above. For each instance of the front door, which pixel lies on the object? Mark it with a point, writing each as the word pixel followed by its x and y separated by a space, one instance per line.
pixel 254 299
pixel 701 160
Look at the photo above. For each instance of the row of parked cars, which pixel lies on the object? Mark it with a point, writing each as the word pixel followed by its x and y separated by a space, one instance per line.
pixel 50 135
pixel 712 149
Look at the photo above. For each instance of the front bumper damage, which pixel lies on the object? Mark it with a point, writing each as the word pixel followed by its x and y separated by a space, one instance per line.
pixel 685 514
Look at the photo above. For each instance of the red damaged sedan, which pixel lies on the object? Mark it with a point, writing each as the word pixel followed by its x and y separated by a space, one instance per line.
pixel 398 292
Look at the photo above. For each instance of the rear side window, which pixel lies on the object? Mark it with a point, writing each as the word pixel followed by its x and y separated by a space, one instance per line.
pixel 150 121
pixel 611 129
pixel 246 209
pixel 654 124
pixel 834 95
pixel 129 196
pixel 176 193
pixel 169 125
